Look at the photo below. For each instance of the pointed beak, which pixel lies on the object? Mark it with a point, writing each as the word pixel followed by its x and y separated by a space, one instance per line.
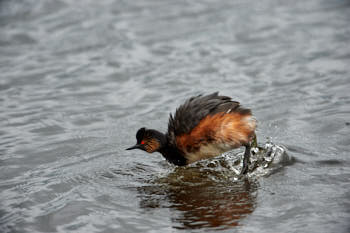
pixel 137 146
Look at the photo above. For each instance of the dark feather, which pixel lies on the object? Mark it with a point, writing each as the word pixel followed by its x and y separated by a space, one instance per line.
pixel 188 115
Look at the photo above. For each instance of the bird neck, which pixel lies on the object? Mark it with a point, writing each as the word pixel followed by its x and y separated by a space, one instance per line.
pixel 168 149
pixel 172 154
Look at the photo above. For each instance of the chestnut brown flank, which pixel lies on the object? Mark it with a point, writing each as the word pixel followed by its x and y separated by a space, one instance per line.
pixel 233 129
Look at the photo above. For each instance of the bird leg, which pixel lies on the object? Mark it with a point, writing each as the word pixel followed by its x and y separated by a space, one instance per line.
pixel 246 160
pixel 254 142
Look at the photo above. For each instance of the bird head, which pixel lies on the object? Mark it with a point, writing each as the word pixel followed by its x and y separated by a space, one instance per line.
pixel 149 140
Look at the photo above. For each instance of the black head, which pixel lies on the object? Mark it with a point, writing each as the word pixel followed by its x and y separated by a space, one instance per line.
pixel 148 140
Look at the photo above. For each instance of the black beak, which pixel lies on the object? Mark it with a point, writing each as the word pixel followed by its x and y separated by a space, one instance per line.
pixel 137 146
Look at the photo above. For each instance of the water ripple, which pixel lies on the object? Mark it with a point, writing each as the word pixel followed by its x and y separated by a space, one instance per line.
pixel 78 78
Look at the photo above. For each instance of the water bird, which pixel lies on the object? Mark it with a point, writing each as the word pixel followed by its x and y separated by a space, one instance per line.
pixel 203 127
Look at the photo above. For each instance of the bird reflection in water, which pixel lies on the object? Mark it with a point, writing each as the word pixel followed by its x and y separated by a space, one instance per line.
pixel 201 198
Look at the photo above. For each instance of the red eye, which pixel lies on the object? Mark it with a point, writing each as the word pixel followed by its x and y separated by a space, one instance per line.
pixel 142 142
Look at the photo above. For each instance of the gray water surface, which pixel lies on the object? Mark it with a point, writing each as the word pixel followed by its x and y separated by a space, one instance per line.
pixel 78 78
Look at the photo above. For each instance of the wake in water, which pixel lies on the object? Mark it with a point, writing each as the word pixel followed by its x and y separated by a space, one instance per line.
pixel 212 193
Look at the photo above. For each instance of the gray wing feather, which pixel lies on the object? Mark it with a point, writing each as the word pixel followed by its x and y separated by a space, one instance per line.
pixel 188 115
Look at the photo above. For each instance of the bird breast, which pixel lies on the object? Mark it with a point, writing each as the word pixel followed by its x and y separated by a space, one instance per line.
pixel 207 151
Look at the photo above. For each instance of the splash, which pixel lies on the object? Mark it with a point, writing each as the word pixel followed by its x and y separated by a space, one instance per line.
pixel 268 159
pixel 265 159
